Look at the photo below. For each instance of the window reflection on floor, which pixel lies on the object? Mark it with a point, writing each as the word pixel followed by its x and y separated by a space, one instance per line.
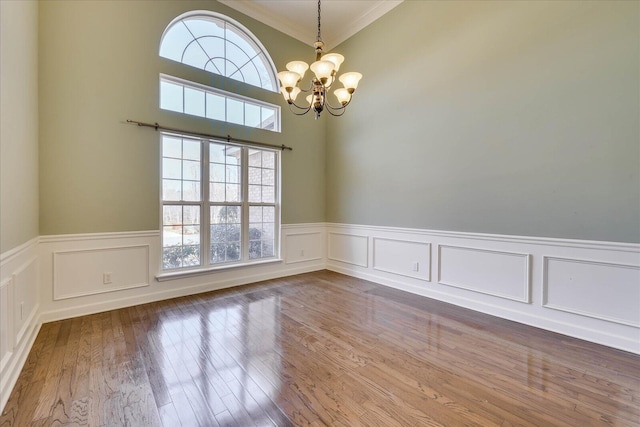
pixel 227 356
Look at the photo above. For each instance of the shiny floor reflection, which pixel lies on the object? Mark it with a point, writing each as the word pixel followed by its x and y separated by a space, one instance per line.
pixel 317 349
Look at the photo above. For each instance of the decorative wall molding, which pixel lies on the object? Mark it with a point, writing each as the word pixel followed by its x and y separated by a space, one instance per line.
pixel 127 265
pixel 18 250
pixel 348 248
pixel 303 246
pixel 601 290
pixel 403 257
pixel 487 271
pixel 99 236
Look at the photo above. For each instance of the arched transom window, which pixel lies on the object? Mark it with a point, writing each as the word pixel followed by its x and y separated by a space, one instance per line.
pixel 217 44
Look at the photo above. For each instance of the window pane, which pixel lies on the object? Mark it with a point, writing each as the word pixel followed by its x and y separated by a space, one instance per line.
pixel 218 214
pixel 267 248
pixel 191 235
pixel 255 158
pixel 217 172
pixel 268 159
pixel 194 102
pixel 233 215
pixel 235 111
pixel 268 195
pixel 171 96
pixel 171 190
pixel 217 192
pixel 191 170
pixel 252 115
pixel 191 149
pixel 216 107
pixel 171 147
pixel 171 236
pixel 268 177
pixel 233 193
pixel 268 214
pixel 217 152
pixel 171 168
pixel 233 251
pixel 233 174
pixel 191 191
pixel 255 194
pixel 191 215
pixel 171 215
pixel 255 214
pixel 255 176
pixel 172 257
pixel 190 256
pixel 268 118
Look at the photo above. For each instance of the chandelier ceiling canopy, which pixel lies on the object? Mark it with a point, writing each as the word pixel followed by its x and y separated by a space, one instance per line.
pixel 325 70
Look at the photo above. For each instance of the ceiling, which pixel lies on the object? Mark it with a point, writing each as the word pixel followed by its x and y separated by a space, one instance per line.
pixel 299 18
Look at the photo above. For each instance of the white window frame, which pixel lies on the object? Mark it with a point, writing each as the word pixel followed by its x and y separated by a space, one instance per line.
pixel 224 94
pixel 205 205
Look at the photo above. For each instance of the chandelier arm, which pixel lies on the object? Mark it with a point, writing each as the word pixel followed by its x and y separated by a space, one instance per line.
pixel 330 110
pixel 306 110
pixel 331 107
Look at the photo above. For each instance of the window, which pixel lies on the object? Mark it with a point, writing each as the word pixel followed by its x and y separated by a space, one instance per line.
pixel 219 203
pixel 220 45
pixel 204 101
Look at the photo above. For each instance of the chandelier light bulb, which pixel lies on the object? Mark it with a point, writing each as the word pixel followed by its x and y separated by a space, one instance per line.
pixel 343 95
pixel 322 70
pixel 336 58
pixel 289 79
pixel 290 96
pixel 299 67
pixel 350 80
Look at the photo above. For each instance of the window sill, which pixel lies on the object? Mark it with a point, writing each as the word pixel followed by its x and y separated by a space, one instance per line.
pixel 201 271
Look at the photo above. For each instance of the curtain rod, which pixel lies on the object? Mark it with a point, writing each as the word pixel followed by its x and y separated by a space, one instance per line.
pixel 227 138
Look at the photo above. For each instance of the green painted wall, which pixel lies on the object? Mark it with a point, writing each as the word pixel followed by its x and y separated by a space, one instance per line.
pixel 18 123
pixel 99 66
pixel 507 117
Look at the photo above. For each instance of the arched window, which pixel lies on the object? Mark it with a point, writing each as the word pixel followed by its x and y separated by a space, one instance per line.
pixel 220 45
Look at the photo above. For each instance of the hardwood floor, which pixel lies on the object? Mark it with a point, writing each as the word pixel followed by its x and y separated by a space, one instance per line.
pixel 317 349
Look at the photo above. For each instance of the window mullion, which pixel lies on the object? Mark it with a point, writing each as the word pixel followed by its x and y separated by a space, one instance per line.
pixel 205 226
pixel 245 203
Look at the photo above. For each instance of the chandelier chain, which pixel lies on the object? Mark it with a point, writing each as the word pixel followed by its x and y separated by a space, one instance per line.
pixel 319 36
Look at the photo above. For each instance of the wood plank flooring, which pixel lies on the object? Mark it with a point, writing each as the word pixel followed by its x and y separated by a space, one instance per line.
pixel 317 349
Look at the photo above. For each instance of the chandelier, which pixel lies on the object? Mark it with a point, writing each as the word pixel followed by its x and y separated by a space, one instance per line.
pixel 325 70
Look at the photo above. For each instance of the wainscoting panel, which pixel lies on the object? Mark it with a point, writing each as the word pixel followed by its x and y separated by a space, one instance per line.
pixel 19 311
pixel 303 247
pixel 95 271
pixel 25 296
pixel 349 249
pixel 402 257
pixel 6 322
pixel 600 290
pixel 501 274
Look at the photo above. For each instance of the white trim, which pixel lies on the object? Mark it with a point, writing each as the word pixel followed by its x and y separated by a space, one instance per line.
pixel 551 241
pixel 527 278
pixel 99 236
pixel 545 289
pixel 308 233
pixel 329 256
pixel 173 275
pixel 56 292
pixel 16 363
pixel 18 250
pixel 301 32
pixel 427 279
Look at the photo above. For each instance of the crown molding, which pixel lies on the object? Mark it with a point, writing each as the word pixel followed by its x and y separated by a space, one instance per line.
pixel 304 34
